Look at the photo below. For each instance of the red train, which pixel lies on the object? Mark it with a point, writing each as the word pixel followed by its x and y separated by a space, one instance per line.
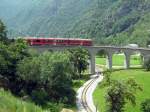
pixel 58 41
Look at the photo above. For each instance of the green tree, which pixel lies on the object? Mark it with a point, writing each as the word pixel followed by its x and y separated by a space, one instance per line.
pixel 51 72
pixel 10 55
pixel 3 32
pixel 3 59
pixel 148 42
pixel 145 106
pixel 79 58
pixel 119 93
pixel 17 51
pixel 3 50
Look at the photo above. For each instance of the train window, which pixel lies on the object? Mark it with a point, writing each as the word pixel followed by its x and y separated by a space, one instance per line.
pixel 47 40
pixel 42 40
pixel 50 40
pixel 60 41
pixel 37 40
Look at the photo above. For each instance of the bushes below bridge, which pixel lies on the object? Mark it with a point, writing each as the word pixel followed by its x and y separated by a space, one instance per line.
pixel 47 77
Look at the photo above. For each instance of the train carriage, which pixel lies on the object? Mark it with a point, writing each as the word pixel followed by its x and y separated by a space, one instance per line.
pixel 58 41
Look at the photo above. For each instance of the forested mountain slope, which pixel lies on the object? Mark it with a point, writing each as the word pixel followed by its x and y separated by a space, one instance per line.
pixel 106 21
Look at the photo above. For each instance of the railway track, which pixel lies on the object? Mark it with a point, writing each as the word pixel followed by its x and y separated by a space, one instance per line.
pixel 84 94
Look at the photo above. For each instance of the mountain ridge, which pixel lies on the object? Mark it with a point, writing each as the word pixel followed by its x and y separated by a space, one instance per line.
pixel 113 22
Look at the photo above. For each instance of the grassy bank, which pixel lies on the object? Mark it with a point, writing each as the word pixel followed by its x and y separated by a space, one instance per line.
pixel 118 60
pixel 9 103
pixel 141 76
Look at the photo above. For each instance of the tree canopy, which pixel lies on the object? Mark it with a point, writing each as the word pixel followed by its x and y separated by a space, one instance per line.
pixel 79 58
pixel 3 32
pixel 119 92
pixel 50 72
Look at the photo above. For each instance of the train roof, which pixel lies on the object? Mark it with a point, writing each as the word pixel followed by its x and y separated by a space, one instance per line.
pixel 56 38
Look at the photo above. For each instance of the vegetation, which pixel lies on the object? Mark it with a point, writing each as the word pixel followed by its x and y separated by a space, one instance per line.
pixel 50 75
pixel 10 53
pixel 9 103
pixel 119 92
pixel 79 59
pixel 2 32
pixel 141 77
pixel 145 106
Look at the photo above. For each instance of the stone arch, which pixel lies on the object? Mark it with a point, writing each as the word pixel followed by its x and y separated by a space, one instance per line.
pixel 119 58
pixel 109 59
pixel 130 56
pixel 101 57
pixel 137 55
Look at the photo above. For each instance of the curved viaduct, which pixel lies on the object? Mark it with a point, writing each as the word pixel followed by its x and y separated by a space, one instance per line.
pixel 110 50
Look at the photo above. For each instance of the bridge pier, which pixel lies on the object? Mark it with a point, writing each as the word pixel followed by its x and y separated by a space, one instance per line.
pixel 127 60
pixel 146 58
pixel 109 60
pixel 92 63
pixel 145 55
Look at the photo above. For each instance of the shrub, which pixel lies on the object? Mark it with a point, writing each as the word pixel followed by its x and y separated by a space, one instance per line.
pixel 52 73
pixel 39 96
pixel 54 107
pixel 119 93
pixel 145 106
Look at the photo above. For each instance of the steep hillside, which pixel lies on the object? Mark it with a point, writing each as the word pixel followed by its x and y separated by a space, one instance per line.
pixel 125 21
pixel 139 33
pixel 106 21
pixel 48 18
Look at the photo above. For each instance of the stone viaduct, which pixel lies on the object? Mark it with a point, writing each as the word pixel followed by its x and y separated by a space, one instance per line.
pixel 110 50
